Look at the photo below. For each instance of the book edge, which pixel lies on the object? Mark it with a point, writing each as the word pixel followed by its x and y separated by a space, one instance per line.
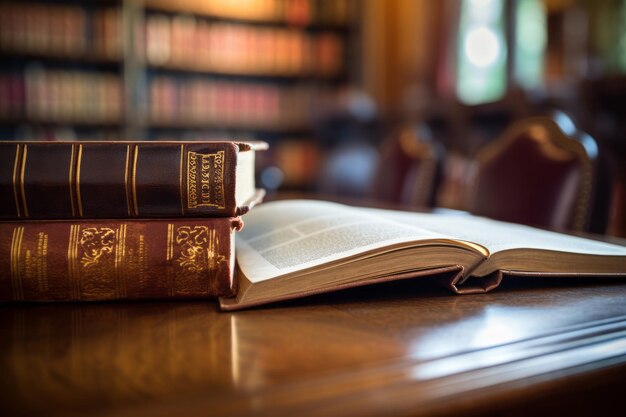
pixel 231 304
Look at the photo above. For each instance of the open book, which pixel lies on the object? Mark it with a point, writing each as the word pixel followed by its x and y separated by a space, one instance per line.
pixel 295 248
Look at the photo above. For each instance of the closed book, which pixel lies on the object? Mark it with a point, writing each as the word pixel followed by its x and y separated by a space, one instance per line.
pixel 65 180
pixel 117 259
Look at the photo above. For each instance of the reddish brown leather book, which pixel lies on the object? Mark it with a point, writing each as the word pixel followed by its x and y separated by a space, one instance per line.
pixel 113 259
pixel 64 180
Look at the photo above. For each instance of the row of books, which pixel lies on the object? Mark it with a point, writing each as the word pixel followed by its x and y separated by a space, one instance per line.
pixel 41 94
pixel 60 30
pixel 181 41
pixel 168 232
pixel 68 96
pixel 184 41
pixel 292 12
pixel 206 102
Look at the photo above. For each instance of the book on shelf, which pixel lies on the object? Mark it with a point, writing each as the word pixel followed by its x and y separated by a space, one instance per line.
pixel 296 248
pixel 92 260
pixel 63 180
pixel 61 30
pixel 194 43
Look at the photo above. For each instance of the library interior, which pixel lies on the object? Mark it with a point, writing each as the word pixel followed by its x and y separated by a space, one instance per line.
pixel 393 100
pixel 140 139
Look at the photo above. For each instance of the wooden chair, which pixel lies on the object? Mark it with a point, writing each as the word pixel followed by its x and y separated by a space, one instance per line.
pixel 539 172
pixel 409 167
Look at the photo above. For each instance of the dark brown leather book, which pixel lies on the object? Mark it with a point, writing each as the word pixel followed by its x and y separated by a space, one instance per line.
pixel 117 259
pixel 64 180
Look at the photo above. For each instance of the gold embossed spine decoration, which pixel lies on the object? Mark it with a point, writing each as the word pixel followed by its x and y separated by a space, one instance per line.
pixel 96 256
pixel 16 272
pixel 180 180
pixel 23 170
pixel 16 184
pixel 198 259
pixel 205 180
pixel 78 164
pixel 134 180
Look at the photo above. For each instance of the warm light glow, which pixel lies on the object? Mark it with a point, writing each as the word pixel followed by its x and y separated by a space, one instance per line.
pixel 482 47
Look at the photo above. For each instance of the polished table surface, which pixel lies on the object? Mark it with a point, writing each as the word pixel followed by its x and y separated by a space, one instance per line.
pixel 409 348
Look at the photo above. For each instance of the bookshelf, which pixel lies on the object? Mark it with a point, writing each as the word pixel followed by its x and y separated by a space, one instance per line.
pixel 181 69
pixel 61 72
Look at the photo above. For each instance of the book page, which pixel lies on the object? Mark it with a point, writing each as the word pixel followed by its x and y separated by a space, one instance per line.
pixel 286 236
pixel 499 236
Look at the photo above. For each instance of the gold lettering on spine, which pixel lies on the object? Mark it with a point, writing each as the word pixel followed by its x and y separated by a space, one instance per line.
pixel 16 277
pixel 192 192
pixel 71 182
pixel 16 166
pixel 78 162
pixel 180 179
pixel 25 206
pixel 134 183
pixel 205 180
pixel 126 169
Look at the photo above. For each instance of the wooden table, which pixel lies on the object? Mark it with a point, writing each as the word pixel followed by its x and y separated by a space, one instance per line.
pixel 531 347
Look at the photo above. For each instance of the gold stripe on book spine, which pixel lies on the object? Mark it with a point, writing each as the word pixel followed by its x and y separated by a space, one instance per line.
pixel 116 260
pixel 16 167
pixel 71 181
pixel 78 197
pixel 180 179
pixel 71 262
pixel 169 255
pixel 170 241
pixel 120 236
pixel 13 261
pixel 134 182
pixel 16 277
pixel 25 206
pixel 126 178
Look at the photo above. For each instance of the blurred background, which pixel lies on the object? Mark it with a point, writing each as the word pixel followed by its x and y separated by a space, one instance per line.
pixel 391 100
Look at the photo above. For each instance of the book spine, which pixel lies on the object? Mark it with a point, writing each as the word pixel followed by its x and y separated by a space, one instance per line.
pixel 111 260
pixel 117 180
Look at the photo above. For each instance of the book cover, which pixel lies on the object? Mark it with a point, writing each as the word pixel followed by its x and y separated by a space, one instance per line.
pixel 64 180
pixel 117 259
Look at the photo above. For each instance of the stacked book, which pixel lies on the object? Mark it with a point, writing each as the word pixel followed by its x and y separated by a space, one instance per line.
pixel 122 220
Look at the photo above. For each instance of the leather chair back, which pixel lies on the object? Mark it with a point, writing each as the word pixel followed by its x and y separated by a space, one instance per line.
pixel 409 167
pixel 536 174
